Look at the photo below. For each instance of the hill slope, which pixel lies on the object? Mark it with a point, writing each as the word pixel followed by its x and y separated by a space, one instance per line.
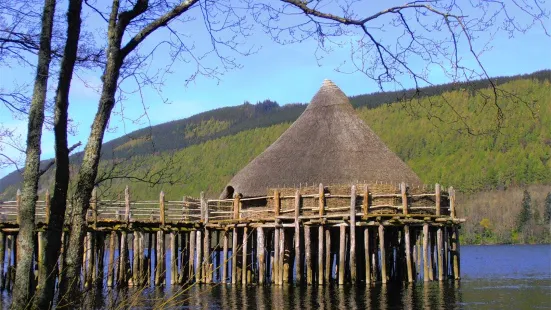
pixel 205 150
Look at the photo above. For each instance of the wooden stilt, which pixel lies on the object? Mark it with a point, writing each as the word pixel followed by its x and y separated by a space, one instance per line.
pixel 281 255
pixel 383 253
pixel 456 255
pixel 308 254
pixel 225 257
pixel 207 275
pixel 426 276
pixel 353 234
pixel 342 246
pixel 245 250
pixel 432 261
pixel 275 272
pixel 136 259
pixel 234 257
pixel 298 256
pixel 261 255
pixel 367 250
pixel 160 272
pixel 440 249
pixel 41 257
pixel 192 239
pixel 408 254
pixel 2 256
pixel 110 266
pixel 199 253
pixel 123 257
pixel 183 258
pixel 328 256
pixel 173 258
pixel 321 255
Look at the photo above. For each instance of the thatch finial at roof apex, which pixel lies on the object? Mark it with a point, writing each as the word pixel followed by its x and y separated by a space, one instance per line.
pixel 327 144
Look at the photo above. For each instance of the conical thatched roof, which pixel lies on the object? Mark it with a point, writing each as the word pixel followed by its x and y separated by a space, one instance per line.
pixel 327 144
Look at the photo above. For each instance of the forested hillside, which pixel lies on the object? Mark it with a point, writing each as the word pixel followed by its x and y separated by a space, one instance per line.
pixel 204 151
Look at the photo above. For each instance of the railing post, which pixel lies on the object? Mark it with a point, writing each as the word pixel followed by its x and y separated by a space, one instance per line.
pixel 438 196
pixel 366 201
pixel 236 202
pixel 127 204
pixel 404 198
pixel 204 208
pixel 18 205
pixel 162 208
pixel 451 196
pixel 47 207
pixel 94 207
pixel 321 193
pixel 277 203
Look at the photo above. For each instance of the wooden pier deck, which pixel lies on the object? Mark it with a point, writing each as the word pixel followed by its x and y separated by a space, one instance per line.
pixel 310 235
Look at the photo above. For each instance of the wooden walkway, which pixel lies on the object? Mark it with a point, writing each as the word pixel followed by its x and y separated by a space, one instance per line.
pixel 311 235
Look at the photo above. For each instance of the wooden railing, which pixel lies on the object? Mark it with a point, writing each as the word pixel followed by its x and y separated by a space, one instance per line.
pixel 303 204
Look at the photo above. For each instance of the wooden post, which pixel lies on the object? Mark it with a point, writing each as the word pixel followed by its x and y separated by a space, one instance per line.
pixel 383 253
pixel 320 254
pixel 192 239
pixel 426 252
pixel 244 256
pixel 204 207
pixel 225 257
pixel 199 253
pixel 234 257
pixel 298 256
pixel 342 245
pixel 206 256
pixel 153 257
pixel 277 203
pixel 143 259
pixel 408 254
pixel 173 258
pixel 260 255
pixel 184 258
pixel 456 256
pixel 367 250
pixel 281 255
pixel 41 257
pixel 451 194
pixel 365 204
pixel 47 205
pixel 308 254
pixel 321 194
pixel 123 253
pixel 2 256
pixel 89 259
pixel 353 234
pixel 440 248
pixel 136 259
pixel 162 208
pixel 17 205
pixel 438 198
pixel 432 266
pixel 160 272
pixel 328 256
pixel 127 204
pixel 236 203
pixel 404 198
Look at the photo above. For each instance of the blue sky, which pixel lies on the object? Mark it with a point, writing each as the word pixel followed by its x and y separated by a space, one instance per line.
pixel 284 73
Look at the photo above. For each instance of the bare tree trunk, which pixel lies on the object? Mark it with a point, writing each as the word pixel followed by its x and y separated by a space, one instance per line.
pixel 23 286
pixel 46 285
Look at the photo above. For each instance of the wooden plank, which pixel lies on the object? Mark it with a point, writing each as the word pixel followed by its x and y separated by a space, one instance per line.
pixel 408 254
pixel 225 257
pixel 308 254
pixel 367 250
pixel 353 234
pixel 342 246
pixel 382 249
pixel 426 277
pixel 261 255
pixel 298 256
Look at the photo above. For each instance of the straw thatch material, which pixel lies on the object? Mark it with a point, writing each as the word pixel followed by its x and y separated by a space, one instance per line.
pixel 327 144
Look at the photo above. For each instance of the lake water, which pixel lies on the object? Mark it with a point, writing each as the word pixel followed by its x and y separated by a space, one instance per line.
pixel 493 277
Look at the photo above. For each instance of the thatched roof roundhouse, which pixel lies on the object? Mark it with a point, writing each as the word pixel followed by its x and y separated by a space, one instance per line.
pixel 327 144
